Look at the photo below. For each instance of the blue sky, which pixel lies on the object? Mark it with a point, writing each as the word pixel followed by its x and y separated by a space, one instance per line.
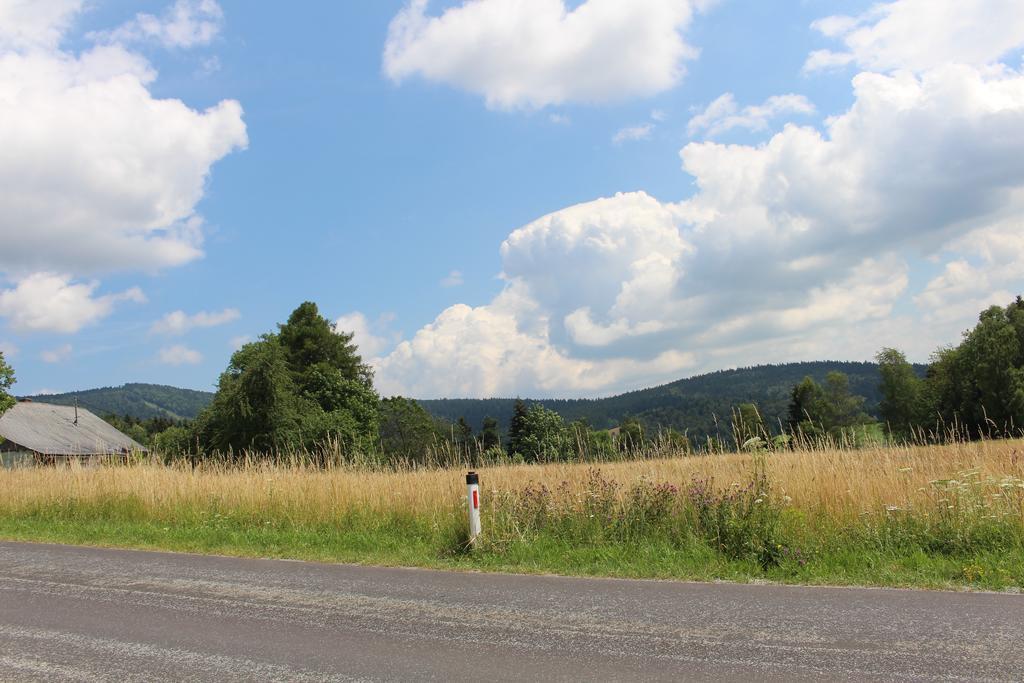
pixel 503 197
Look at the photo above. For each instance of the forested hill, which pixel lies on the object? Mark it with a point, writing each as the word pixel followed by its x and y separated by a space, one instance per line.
pixel 143 401
pixel 688 404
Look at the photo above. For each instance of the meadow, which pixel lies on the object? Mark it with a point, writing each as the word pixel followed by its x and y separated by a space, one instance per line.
pixel 935 516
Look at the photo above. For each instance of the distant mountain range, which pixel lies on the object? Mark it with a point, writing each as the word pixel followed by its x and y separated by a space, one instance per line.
pixel 137 400
pixel 701 405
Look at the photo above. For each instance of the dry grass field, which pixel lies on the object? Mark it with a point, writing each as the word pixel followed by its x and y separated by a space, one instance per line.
pixel 835 483
pixel 934 516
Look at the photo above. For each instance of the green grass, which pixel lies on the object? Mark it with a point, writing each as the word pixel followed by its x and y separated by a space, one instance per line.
pixel 438 544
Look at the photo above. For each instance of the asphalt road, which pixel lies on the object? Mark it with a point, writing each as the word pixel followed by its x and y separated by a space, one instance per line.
pixel 69 613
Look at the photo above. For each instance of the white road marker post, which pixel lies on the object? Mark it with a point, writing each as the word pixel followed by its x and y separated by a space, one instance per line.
pixel 473 498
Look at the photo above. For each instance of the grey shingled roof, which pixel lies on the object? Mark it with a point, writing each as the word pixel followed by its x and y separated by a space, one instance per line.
pixel 51 430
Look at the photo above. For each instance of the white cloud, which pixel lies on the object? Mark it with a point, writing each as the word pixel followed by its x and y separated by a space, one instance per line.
pixel 485 351
pixel 370 337
pixel 180 355
pixel 987 268
pixel 98 174
pixel 533 53
pixel 46 302
pixel 179 322
pixel 793 249
pixel 57 355
pixel 559 119
pixel 658 115
pixel 633 133
pixel 34 23
pixel 185 24
pixel 723 114
pixel 452 279
pixel 922 34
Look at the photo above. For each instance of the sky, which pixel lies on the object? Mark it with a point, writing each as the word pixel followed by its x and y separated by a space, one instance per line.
pixel 504 197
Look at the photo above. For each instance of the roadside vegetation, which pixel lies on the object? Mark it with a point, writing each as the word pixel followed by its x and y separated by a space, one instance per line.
pixel 930 516
pixel 297 456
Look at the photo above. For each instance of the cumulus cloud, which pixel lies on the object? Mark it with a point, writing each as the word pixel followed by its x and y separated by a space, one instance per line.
pixel 34 24
pixel 47 302
pixel 533 53
pixel 794 248
pixel 179 322
pixel 985 268
pixel 369 337
pixel 184 24
pixel 724 114
pixel 487 351
pixel 922 34
pixel 180 355
pixel 57 355
pixel 98 174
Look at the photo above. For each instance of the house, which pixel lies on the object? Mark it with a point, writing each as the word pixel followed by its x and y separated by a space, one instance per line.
pixel 43 433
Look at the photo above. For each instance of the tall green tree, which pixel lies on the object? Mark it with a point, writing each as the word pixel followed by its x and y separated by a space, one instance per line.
pixel 6 382
pixel 805 404
pixel 517 428
pixel 257 406
pixel 993 352
pixel 310 340
pixel 407 431
pixel 302 388
pixel 490 435
pixel 543 436
pixel 840 407
pixel 979 384
pixel 903 406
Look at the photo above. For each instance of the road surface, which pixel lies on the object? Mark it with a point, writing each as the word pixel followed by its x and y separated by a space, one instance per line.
pixel 69 613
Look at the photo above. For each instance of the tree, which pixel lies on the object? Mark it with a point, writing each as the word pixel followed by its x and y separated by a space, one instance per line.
pixel 6 382
pixel 980 383
pixel 174 441
pixel 840 408
pixel 903 404
pixel 490 437
pixel 992 351
pixel 463 433
pixel 303 388
pixel 815 409
pixel 310 340
pixel 804 404
pixel 631 435
pixel 517 428
pixel 407 431
pixel 257 406
pixel 540 434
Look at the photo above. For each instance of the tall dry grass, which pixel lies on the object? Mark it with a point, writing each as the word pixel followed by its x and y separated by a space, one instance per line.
pixel 841 484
